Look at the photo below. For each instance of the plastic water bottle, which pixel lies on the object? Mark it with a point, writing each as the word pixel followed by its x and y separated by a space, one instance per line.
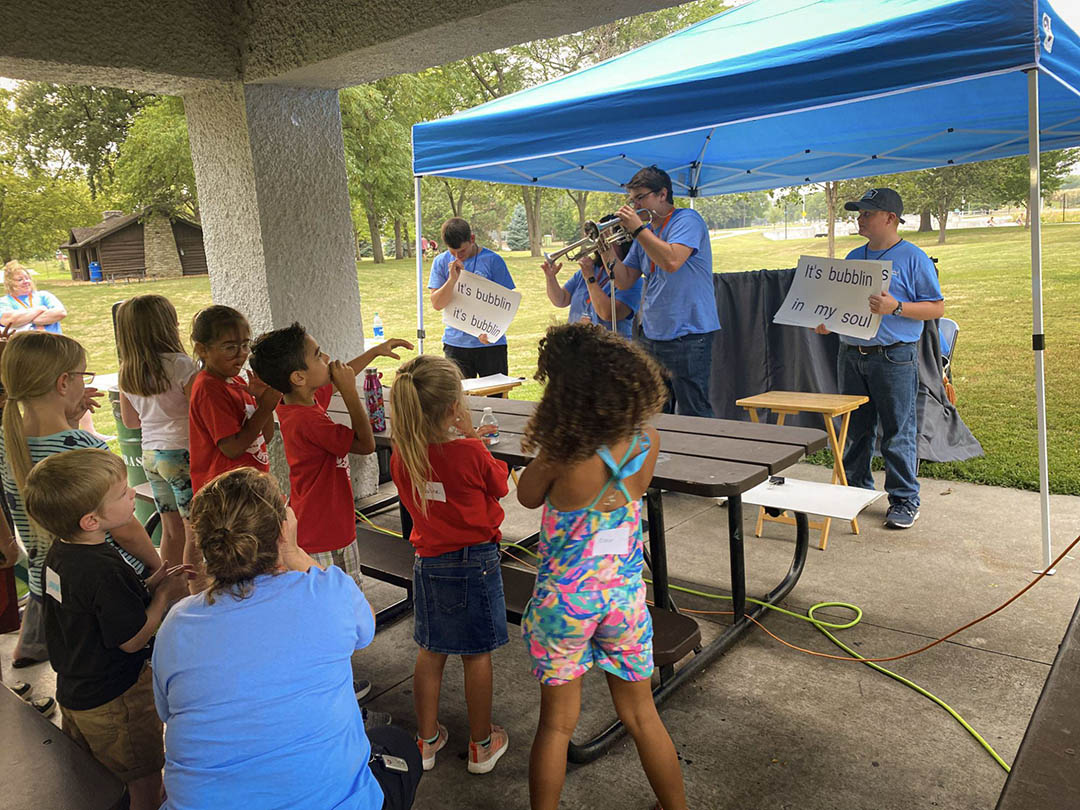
pixel 489 419
pixel 373 398
pixel 376 326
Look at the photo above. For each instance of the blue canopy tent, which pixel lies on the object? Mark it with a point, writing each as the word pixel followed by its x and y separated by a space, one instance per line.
pixel 786 92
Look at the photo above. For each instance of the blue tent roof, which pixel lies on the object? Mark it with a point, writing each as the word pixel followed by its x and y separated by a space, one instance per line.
pixel 783 92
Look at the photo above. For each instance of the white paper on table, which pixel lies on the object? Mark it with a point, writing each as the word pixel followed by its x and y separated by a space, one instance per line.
pixel 479 306
pixel 835 292
pixel 489 381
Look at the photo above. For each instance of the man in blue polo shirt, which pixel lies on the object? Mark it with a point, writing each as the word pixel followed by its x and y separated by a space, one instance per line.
pixel 679 317
pixel 885 367
pixel 476 357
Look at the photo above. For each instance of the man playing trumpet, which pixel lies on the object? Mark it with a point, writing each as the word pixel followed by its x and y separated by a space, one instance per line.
pixel 679 317
pixel 587 294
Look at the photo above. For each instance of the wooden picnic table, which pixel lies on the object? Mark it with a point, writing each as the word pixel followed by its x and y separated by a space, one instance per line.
pixel 43 767
pixel 707 457
pixel 830 406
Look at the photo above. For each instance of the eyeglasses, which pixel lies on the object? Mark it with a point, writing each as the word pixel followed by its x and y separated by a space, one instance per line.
pixel 87 376
pixel 233 349
pixel 637 198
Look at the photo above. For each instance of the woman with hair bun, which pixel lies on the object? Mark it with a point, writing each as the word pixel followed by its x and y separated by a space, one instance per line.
pixel 253 677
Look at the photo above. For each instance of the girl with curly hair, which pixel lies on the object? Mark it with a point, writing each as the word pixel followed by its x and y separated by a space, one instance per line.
pixel 595 458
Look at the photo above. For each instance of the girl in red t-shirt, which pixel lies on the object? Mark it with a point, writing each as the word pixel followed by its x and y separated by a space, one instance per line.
pixel 451 486
pixel 230 420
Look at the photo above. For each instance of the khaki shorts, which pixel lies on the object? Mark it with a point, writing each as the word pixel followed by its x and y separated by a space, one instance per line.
pixel 125 734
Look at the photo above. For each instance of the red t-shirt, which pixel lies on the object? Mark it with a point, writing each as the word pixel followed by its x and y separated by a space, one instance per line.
pixel 463 497
pixel 317 450
pixel 218 409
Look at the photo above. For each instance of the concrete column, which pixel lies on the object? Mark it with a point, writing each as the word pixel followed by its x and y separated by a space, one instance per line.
pixel 274 201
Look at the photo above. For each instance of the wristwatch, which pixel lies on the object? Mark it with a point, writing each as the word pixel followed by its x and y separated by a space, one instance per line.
pixel 590 280
pixel 638 230
pixel 899 308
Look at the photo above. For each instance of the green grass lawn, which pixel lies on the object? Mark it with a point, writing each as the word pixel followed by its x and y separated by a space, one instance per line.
pixel 985 275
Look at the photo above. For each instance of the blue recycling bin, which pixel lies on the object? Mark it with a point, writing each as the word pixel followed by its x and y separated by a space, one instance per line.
pixel 95 271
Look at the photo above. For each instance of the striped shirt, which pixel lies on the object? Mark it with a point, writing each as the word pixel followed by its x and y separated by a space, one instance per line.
pixel 42 447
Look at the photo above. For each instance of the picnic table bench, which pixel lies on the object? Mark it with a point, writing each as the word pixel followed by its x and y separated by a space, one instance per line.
pixel 707 457
pixel 43 767
pixel 1046 772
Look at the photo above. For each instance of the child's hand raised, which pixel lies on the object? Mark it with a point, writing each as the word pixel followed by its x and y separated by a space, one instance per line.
pixel 386 348
pixel 260 390
pixel 463 423
pixel 342 375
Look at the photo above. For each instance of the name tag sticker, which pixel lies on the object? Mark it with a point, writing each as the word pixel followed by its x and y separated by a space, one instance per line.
pixel 52 585
pixel 612 541
pixel 436 492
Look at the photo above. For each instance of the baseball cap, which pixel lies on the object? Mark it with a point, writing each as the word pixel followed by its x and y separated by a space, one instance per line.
pixel 878 199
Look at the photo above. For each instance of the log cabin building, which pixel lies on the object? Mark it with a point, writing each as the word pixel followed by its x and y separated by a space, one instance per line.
pixel 138 245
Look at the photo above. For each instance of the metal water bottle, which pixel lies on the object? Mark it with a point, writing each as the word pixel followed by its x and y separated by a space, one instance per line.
pixel 489 419
pixel 374 400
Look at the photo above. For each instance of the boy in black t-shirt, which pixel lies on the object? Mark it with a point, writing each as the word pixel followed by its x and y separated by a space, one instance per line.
pixel 100 617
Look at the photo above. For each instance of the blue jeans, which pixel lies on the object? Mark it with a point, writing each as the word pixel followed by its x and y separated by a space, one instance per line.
pixel 890 378
pixel 458 602
pixel 689 361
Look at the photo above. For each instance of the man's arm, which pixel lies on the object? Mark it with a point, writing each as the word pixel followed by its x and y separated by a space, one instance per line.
pixel 555 292
pixel 441 297
pixel 885 304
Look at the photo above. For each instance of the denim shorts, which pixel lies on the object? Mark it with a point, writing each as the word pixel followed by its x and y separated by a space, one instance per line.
pixel 459 604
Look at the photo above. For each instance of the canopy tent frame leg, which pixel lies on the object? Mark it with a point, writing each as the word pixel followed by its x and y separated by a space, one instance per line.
pixel 419 221
pixel 1038 338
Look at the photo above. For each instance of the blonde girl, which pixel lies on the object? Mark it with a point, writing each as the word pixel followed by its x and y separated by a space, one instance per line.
pixel 450 485
pixel 155 381
pixel 46 380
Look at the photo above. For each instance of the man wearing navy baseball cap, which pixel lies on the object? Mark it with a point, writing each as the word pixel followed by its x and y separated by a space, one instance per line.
pixel 885 367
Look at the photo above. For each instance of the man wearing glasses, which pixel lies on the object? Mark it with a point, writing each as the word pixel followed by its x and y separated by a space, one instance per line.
pixel 679 317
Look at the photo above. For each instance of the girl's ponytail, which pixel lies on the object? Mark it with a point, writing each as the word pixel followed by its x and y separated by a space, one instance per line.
pixel 424 392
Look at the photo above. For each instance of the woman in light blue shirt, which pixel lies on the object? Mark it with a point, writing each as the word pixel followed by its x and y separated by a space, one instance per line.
pixel 24 307
pixel 253 677
pixel 587 294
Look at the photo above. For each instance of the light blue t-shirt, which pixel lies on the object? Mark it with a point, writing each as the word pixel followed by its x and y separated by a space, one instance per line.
pixel 257 697
pixel 9 303
pixel 581 304
pixel 914 278
pixel 486 263
pixel 683 302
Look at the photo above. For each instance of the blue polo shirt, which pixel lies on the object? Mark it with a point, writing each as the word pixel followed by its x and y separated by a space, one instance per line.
pixel 914 278
pixel 9 303
pixel 683 302
pixel 581 304
pixel 486 263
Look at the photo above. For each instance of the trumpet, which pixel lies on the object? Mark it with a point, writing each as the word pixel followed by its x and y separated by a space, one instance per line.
pixel 607 231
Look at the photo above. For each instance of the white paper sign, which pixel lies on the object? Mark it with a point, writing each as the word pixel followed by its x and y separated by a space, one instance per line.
pixel 612 541
pixel 835 292
pixel 436 492
pixel 479 306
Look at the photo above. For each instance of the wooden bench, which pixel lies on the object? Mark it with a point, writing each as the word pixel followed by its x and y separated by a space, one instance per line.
pixel 1046 772
pixel 43 767
pixel 390 559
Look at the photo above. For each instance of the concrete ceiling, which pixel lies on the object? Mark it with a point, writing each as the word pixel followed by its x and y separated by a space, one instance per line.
pixel 177 46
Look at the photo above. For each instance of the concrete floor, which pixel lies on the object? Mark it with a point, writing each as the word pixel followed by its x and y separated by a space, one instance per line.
pixel 769 728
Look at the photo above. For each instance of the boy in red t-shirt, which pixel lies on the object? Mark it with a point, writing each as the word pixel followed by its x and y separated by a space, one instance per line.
pixel 316 447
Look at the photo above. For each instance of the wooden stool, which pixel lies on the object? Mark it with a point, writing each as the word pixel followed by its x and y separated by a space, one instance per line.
pixel 829 406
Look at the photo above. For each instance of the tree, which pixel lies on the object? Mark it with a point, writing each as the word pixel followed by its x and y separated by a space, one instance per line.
pixel 517 231
pixel 153 169
pixel 59 128
pixel 36 209
pixel 1010 182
